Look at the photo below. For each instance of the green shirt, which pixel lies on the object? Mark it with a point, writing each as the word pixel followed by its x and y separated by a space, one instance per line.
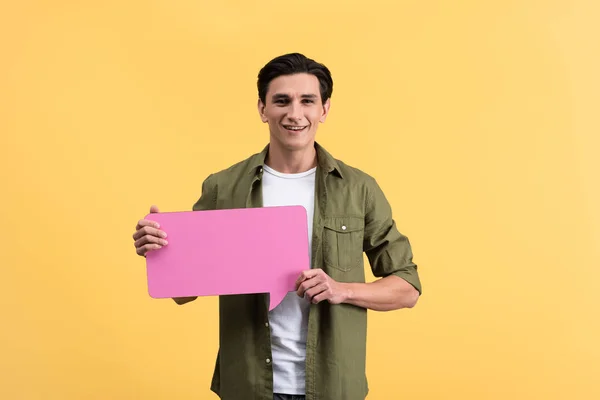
pixel 351 216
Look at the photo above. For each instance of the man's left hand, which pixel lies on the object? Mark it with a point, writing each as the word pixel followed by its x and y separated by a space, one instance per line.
pixel 316 286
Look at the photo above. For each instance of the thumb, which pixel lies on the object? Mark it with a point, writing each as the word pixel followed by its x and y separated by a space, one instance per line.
pixel 154 209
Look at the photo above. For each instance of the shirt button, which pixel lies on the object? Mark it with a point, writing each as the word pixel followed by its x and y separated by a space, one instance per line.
pixel 343 227
pixel 260 170
pixel 268 360
pixel 267 324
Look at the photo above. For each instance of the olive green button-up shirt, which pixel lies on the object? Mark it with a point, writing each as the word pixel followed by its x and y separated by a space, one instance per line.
pixel 351 216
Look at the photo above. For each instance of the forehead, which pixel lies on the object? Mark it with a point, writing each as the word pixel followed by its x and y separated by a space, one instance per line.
pixel 296 84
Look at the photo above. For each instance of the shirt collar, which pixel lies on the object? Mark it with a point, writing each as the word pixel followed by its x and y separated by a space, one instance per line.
pixel 325 161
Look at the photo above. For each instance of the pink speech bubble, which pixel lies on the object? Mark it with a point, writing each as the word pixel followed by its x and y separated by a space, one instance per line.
pixel 234 251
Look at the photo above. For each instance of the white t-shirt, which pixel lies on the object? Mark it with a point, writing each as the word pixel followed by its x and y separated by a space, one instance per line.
pixel 289 320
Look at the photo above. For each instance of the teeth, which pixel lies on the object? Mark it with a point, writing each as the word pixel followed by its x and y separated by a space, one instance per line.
pixel 295 128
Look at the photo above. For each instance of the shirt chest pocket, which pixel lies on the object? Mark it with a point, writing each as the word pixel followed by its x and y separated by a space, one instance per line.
pixel 343 242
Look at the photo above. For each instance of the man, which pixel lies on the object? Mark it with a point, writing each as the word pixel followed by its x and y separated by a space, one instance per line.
pixel 311 346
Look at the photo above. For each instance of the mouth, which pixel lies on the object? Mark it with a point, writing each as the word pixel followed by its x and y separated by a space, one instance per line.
pixel 294 128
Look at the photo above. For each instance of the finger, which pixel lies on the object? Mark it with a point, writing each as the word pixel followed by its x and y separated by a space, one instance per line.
pixel 301 278
pixel 146 248
pixel 146 222
pixel 149 230
pixel 154 209
pixel 307 284
pixel 309 273
pixel 149 239
pixel 326 295
pixel 322 288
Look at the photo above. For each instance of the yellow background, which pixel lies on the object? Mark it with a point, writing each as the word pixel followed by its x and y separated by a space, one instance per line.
pixel 478 118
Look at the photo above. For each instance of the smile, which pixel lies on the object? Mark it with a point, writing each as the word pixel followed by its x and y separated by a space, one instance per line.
pixel 294 128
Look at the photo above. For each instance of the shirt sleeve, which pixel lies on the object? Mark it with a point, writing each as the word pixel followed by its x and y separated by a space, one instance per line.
pixel 208 198
pixel 389 251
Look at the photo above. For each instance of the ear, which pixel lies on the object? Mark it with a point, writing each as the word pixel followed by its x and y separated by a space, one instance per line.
pixel 261 111
pixel 326 107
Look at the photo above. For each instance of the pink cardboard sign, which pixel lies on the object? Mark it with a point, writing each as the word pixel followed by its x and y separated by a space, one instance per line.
pixel 225 252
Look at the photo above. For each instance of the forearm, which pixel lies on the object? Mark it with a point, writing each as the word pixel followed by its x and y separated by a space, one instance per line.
pixel 385 294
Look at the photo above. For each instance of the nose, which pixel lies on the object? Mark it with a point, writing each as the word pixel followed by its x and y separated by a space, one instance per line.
pixel 295 112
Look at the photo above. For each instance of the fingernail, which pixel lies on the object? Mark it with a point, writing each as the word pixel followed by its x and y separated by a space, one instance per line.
pixel 165 242
pixel 157 225
pixel 163 234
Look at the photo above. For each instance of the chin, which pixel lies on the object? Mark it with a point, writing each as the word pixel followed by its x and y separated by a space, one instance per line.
pixel 294 143
pixel 297 143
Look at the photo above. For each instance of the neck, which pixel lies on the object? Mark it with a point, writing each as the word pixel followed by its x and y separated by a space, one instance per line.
pixel 291 161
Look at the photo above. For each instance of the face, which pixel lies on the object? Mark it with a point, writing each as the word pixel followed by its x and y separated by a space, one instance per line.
pixel 293 111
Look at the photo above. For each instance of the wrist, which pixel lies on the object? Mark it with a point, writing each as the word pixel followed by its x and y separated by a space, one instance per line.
pixel 347 292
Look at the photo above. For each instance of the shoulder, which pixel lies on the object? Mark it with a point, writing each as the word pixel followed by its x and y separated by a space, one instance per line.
pixel 235 171
pixel 221 187
pixel 357 180
pixel 355 175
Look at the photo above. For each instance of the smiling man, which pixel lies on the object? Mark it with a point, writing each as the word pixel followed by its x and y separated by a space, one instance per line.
pixel 313 345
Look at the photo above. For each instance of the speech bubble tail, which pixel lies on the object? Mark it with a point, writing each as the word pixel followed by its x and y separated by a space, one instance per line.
pixel 275 298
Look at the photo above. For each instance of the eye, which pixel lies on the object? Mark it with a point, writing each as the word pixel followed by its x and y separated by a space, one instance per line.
pixel 308 101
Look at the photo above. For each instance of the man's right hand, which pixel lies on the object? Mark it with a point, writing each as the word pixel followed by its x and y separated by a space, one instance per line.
pixel 148 236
